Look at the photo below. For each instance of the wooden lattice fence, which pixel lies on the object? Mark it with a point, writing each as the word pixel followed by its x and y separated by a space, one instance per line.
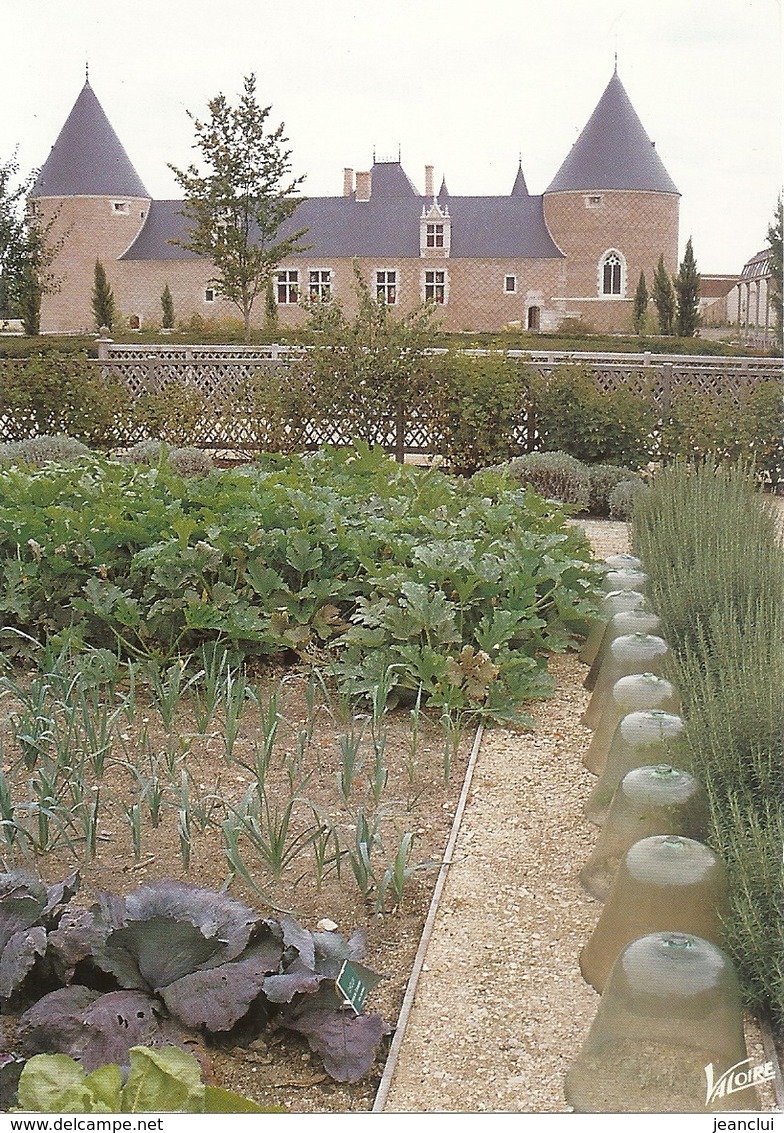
pixel 221 392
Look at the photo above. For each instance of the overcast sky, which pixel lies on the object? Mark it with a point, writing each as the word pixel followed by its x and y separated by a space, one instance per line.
pixel 466 87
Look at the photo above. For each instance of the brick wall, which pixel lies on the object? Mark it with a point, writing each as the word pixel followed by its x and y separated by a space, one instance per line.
pixel 95 230
pixel 640 225
pixel 476 295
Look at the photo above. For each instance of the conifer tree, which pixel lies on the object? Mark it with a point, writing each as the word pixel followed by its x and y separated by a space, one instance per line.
pixel 687 286
pixel 640 309
pixel 664 298
pixel 167 309
pixel 103 298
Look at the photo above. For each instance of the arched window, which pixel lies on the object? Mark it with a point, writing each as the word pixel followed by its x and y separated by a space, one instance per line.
pixel 612 274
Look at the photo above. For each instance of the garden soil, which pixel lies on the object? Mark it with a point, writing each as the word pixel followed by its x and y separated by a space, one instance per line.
pixel 483 990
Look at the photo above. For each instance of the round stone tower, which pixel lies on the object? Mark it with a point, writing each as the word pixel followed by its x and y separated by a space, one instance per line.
pixel 89 184
pixel 612 208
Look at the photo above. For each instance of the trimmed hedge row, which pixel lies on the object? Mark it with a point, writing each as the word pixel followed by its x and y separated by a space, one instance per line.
pixel 478 411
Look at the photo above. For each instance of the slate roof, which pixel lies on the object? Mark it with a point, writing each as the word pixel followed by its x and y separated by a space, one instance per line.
pixel 520 189
pixel 88 158
pixel 613 151
pixel 385 227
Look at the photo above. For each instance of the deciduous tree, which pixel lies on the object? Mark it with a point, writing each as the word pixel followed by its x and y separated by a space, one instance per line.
pixel 363 370
pixel 27 248
pixel 775 242
pixel 236 209
pixel 687 287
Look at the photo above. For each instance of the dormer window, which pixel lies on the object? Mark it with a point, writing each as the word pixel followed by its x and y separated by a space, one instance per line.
pixel 434 231
pixel 435 236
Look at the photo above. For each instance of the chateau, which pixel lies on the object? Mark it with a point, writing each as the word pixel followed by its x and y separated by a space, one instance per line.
pixel 575 251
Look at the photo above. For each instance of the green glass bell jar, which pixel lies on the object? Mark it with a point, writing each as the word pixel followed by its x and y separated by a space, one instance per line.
pixel 668 1034
pixel 635 693
pixel 648 801
pixel 666 883
pixel 623 561
pixel 630 653
pixel 624 622
pixel 610 604
pixel 641 740
pixel 624 579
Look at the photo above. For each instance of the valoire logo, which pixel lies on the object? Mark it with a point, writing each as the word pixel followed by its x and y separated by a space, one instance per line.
pixel 741 1076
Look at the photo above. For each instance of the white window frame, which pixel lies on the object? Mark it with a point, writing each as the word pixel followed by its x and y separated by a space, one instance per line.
pixel 320 287
pixel 507 289
pixel 120 208
pixel 594 201
pixel 386 284
pixel 210 295
pixel 435 289
pixel 287 286
pixel 612 257
pixel 435 235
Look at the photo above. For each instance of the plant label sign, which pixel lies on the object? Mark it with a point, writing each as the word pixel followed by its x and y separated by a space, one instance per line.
pixel 353 983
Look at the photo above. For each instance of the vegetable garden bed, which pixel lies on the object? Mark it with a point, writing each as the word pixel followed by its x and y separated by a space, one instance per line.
pixel 266 678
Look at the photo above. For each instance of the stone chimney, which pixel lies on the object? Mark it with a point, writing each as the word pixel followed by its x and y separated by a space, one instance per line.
pixel 348 182
pixel 363 186
pixel 429 181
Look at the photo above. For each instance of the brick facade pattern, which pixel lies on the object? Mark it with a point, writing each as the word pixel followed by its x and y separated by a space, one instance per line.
pixel 641 226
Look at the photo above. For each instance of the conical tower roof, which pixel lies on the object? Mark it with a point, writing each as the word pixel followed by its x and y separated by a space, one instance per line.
pixel 613 151
pixel 88 159
pixel 520 189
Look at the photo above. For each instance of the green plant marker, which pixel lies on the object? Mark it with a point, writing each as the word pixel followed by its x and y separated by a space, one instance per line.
pixel 353 983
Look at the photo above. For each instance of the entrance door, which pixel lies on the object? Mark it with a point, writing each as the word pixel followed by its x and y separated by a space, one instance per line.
pixel 533 318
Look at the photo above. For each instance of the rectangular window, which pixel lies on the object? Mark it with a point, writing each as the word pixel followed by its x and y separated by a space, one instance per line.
pixel 122 208
pixel 320 284
pixel 386 287
pixel 435 286
pixel 210 295
pixel 288 287
pixel 510 284
pixel 593 202
pixel 435 236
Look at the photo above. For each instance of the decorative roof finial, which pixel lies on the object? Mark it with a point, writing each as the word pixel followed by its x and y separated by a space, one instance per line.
pixel 87 71
pixel 616 62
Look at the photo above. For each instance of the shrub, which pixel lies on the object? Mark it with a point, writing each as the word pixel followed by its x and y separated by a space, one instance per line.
pixel 604 477
pixel 624 498
pixel 38 451
pixel 709 544
pixel 762 429
pixel 574 416
pixel 172 414
pixel 553 475
pixel 478 408
pixel 701 426
pixel 185 461
pixel 276 408
pixel 59 393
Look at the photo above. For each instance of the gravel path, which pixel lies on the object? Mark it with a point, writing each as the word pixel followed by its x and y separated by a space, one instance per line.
pixel 501 1009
